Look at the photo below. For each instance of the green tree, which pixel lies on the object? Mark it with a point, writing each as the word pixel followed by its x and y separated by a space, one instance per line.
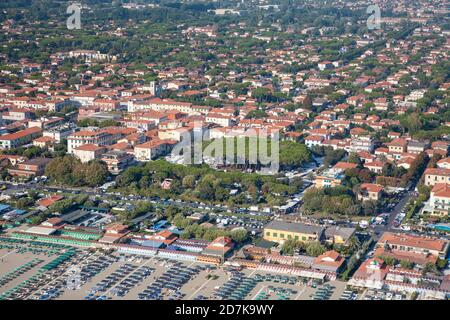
pixel 239 236
pixel 189 181
pixel 315 249
pixel 96 173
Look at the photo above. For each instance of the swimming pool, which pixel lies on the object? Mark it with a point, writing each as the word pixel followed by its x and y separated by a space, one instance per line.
pixel 442 228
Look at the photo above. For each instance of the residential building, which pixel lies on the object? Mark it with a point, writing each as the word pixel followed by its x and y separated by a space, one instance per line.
pixel 97 137
pixel 417 146
pixel 44 142
pixel 370 191
pixel 59 133
pixel 440 199
pixel 19 138
pixel 311 141
pixel 329 179
pixel 398 145
pixel 29 168
pixel 221 120
pixel 436 175
pixel 152 149
pixel 362 143
pixel 88 152
pixel 158 104
pixel 117 161
pixel 375 166
pixel 444 163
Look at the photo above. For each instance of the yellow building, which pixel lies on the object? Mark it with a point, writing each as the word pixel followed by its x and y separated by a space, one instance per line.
pixel 280 231
pixel 338 235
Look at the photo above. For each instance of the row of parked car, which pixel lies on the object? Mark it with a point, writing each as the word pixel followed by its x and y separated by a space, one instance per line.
pixel 170 282
pixel 237 288
pixel 49 282
pixel 131 281
pixel 95 265
pixel 111 280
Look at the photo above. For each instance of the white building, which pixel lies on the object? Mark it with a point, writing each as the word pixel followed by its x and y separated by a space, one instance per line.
pixel 440 199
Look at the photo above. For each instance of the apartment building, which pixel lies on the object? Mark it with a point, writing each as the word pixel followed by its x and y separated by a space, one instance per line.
pixel 17 115
pixel 362 143
pixel 106 104
pixel 59 133
pixel 221 120
pixel 158 104
pixel 176 134
pixel 29 168
pixel 104 137
pixel 440 199
pixel 152 149
pixel 397 145
pixel 417 147
pixel 434 176
pixel 84 99
pixel 77 139
pixel 311 141
pixel 117 161
pixel 88 152
pixel 19 138
pixel 90 55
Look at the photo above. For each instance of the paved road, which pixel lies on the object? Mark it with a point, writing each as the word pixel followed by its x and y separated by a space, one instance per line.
pixel 380 229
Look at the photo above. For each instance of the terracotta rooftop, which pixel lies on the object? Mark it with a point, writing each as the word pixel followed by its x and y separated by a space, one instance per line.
pixel 412 241
pixel 438 171
pixel 441 190
pixel 370 187
pixel 88 147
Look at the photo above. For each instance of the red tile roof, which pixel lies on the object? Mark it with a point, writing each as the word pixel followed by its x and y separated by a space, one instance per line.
pixel 412 241
pixel 441 190
pixel 370 187
pixel 20 134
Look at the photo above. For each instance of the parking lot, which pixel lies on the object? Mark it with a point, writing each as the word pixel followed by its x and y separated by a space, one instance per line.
pixel 26 268
pixel 46 272
pixel 16 266
pixel 132 277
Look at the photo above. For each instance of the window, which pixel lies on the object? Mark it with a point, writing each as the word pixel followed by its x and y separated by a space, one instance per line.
pixel 281 235
pixel 268 234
